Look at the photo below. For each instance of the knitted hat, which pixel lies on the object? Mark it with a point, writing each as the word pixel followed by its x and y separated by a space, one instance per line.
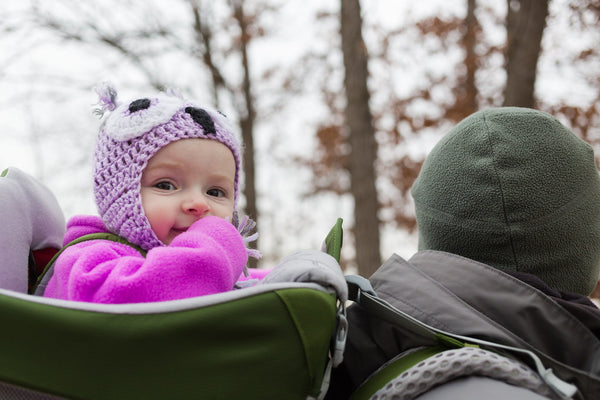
pixel 129 137
pixel 515 189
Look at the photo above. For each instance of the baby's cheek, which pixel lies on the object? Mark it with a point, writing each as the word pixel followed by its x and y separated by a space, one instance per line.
pixel 161 227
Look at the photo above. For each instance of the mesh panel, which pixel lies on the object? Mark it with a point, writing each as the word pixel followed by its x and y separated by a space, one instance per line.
pixel 12 392
pixel 452 364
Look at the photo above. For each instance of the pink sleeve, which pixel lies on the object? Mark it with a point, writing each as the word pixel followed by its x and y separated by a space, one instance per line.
pixel 208 258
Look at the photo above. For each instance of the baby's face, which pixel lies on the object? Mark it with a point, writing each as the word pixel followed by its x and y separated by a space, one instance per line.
pixel 184 181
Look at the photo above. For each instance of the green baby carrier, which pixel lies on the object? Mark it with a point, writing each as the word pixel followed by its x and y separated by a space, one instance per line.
pixel 267 342
pixel 277 340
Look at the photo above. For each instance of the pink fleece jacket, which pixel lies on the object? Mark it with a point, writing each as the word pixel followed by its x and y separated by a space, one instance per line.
pixel 208 258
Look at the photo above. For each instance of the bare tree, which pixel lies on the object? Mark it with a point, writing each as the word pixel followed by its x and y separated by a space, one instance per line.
pixel 247 114
pixel 466 89
pixel 140 45
pixel 246 111
pixel 242 93
pixel 359 123
pixel 525 23
pixel 333 164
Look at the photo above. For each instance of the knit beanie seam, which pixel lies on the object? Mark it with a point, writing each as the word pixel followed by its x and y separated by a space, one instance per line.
pixel 491 226
pixel 507 225
pixel 471 224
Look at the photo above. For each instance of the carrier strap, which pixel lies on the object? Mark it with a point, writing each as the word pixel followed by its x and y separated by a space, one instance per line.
pixel 362 293
pixel 393 369
pixel 332 245
pixel 92 236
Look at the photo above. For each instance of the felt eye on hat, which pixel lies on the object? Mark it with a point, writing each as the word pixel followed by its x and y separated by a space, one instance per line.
pixel 202 118
pixel 139 104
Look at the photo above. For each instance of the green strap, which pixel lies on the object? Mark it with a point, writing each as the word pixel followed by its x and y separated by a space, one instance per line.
pixel 92 236
pixel 334 240
pixel 395 368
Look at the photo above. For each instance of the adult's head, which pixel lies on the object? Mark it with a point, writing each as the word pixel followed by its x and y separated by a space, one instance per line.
pixel 515 189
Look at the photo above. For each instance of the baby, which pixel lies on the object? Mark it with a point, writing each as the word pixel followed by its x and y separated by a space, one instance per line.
pixel 166 179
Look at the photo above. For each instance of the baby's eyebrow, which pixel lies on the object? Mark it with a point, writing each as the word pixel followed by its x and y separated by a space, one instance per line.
pixel 222 175
pixel 159 171
pixel 164 165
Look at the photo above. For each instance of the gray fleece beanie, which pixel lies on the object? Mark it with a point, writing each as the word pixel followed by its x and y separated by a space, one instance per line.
pixel 515 189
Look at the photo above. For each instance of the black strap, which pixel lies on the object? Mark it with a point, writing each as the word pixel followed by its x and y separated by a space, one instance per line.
pixel 31 272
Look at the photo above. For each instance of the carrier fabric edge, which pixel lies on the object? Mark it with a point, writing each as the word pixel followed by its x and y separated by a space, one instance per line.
pixel 221 350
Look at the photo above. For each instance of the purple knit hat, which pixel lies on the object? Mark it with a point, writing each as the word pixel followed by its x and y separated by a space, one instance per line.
pixel 129 137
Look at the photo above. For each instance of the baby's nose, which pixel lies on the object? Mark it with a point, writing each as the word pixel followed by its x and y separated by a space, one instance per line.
pixel 196 205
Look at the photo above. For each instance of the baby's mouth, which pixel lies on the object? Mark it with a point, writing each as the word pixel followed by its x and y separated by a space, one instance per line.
pixel 179 230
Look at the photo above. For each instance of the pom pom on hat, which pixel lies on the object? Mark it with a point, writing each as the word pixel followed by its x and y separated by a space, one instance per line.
pixel 107 98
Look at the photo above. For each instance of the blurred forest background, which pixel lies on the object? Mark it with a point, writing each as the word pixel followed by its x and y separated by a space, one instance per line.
pixel 338 102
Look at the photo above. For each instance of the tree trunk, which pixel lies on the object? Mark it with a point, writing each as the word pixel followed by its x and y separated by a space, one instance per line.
pixel 525 23
pixel 247 118
pixel 470 40
pixel 466 90
pixel 244 101
pixel 362 140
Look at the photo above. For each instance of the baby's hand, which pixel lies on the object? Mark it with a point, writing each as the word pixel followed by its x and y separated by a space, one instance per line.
pixel 218 234
pixel 214 227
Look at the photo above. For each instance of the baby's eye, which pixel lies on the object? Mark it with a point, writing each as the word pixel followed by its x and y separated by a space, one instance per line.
pixel 164 185
pixel 215 192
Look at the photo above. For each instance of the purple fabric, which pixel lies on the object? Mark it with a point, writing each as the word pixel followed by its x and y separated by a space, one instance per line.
pixel 208 258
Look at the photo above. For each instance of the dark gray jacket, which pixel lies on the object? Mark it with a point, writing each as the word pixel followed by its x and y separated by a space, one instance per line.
pixel 468 298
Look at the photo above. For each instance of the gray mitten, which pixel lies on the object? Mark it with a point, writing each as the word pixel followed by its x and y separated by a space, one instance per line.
pixel 310 266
